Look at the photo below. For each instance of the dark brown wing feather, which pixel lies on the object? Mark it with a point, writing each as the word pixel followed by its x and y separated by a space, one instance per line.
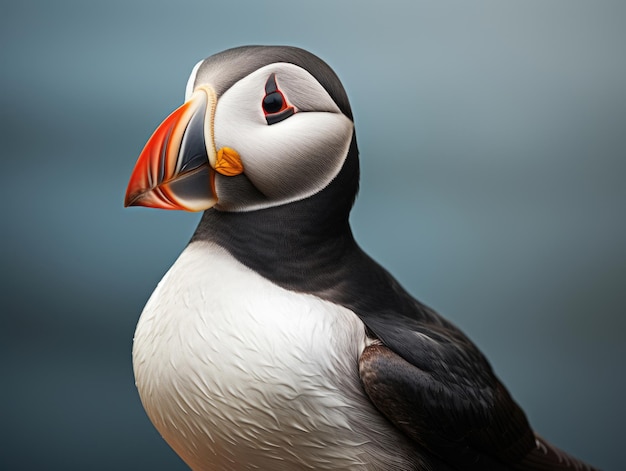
pixel 470 429
pixel 546 457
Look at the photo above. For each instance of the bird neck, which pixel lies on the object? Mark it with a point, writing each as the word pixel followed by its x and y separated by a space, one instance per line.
pixel 289 244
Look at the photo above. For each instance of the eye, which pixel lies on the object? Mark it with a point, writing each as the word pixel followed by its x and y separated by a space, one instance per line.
pixel 274 104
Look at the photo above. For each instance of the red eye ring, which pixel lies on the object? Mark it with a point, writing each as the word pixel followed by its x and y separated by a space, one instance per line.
pixel 275 107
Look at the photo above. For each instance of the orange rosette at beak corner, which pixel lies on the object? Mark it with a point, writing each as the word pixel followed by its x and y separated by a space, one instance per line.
pixel 175 170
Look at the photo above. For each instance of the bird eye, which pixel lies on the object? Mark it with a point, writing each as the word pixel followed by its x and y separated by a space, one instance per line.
pixel 274 104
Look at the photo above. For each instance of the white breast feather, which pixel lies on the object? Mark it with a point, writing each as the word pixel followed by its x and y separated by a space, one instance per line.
pixel 238 373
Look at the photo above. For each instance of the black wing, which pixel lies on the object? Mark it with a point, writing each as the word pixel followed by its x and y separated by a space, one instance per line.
pixel 435 385
pixel 472 428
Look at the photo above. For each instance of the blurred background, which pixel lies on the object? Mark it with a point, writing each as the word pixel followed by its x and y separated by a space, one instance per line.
pixel 493 150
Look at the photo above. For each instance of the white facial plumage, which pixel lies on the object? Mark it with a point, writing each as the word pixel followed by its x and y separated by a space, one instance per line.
pixel 286 161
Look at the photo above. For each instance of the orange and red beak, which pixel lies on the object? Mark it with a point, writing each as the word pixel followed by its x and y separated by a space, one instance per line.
pixel 176 169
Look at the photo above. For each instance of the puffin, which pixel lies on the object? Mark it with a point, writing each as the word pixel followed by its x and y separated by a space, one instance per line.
pixel 274 342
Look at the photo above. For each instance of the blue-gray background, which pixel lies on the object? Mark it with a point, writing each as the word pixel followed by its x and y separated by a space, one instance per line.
pixel 493 148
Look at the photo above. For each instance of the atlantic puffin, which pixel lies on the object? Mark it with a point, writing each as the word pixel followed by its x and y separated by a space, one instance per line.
pixel 275 342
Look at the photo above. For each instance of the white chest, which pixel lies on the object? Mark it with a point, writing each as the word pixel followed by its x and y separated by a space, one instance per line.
pixel 237 373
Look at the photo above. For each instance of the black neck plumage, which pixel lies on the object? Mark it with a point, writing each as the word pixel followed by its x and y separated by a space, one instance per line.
pixel 293 245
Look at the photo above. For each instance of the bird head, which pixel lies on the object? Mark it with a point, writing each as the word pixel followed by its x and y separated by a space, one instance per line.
pixel 261 126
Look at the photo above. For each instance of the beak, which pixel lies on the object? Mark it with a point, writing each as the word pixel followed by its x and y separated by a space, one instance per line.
pixel 176 169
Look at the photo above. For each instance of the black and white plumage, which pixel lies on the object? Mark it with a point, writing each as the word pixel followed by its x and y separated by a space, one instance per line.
pixel 274 342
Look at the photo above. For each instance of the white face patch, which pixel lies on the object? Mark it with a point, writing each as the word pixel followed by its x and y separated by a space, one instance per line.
pixel 286 161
